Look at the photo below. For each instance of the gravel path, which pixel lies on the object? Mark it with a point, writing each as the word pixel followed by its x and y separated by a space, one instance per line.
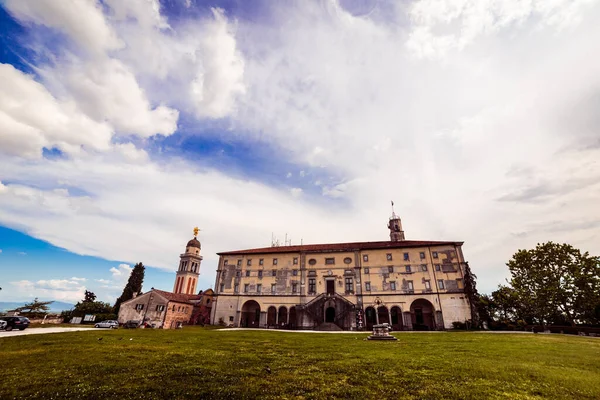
pixel 40 331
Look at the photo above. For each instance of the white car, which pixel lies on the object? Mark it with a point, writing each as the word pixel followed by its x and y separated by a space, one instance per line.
pixel 3 325
pixel 107 324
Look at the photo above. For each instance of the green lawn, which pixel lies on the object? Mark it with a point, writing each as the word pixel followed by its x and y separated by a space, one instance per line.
pixel 206 363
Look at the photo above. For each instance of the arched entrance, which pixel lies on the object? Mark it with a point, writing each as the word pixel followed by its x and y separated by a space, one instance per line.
pixel 330 314
pixel 292 318
pixel 283 314
pixel 396 318
pixel 250 314
pixel 370 318
pixel 422 315
pixel 383 314
pixel 271 316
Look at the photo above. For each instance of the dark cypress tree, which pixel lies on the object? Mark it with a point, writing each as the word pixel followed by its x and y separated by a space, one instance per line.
pixel 134 285
pixel 472 294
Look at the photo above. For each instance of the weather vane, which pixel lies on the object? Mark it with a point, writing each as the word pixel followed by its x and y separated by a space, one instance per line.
pixel 196 230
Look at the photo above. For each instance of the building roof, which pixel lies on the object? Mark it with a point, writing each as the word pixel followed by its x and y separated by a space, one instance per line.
pixel 193 243
pixel 178 297
pixel 338 247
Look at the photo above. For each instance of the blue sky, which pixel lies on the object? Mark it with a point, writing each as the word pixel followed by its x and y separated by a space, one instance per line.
pixel 124 124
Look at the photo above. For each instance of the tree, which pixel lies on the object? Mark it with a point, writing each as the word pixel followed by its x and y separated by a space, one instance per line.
pixel 90 297
pixel 472 294
pixel 35 309
pixel 556 282
pixel 134 286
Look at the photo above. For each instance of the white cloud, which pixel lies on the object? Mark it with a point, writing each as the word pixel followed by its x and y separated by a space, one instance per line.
pixel 81 20
pixel 31 118
pixel 433 32
pixel 296 192
pixel 55 289
pixel 121 272
pixel 108 90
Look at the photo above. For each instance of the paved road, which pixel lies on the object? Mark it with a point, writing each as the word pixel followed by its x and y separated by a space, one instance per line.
pixel 40 331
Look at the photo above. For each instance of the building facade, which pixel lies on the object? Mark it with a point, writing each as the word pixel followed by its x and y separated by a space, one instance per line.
pixel 410 284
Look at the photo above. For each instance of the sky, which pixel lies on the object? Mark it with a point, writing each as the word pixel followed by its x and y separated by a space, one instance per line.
pixel 126 123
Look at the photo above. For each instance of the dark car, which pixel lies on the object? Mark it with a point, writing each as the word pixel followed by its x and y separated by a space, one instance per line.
pixel 132 324
pixel 19 323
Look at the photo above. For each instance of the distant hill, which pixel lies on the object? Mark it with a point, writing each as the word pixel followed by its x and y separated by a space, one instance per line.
pixel 55 307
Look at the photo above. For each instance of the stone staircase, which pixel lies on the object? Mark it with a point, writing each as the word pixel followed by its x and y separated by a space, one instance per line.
pixel 328 327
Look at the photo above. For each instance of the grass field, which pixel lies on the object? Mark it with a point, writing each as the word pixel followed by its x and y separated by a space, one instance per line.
pixel 207 363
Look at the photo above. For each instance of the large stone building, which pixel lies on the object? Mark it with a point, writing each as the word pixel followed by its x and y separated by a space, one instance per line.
pixel 411 284
pixel 173 309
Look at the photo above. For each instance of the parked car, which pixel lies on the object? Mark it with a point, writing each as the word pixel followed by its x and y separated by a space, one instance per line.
pixel 2 325
pixel 19 323
pixel 107 324
pixel 131 324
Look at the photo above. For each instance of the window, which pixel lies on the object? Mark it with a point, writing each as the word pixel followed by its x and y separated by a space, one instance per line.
pixel 207 301
pixel 295 272
pixel 409 285
pixel 295 260
pixel 294 288
pixel 437 267
pixel 173 308
pixel 238 273
pixel 349 285
pixel 312 261
pixel 160 307
pixel 260 273
pixel 347 260
pixel 312 285
pixel 365 257
pixel 407 268
pixel 390 269
pixel 226 262
pixel 273 286
pixel 406 257
pixel 239 263
pixel 261 261
pixel 424 267
pixel 274 272
pixel 139 307
pixel 330 261
pixel 246 287
pixel 389 256
pixel 222 288
pixel 236 288
pixel 247 272
pixel 366 271
pixel 274 261
pixel 259 288
pixel 428 285
pixel 422 255
pixel 249 262
pixel 441 284
pixel 392 285
pixel 435 254
pixel 368 286
pixel 231 318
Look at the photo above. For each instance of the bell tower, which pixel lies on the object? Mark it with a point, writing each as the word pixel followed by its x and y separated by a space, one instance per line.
pixel 189 267
pixel 395 227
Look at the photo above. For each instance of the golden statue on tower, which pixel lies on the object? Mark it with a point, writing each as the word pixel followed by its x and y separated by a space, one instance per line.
pixel 196 230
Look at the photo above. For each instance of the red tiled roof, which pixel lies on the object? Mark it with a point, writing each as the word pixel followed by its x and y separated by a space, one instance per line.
pixel 337 247
pixel 178 297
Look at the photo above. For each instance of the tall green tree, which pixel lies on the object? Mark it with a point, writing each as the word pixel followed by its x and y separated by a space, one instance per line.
pixel 133 286
pixel 556 282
